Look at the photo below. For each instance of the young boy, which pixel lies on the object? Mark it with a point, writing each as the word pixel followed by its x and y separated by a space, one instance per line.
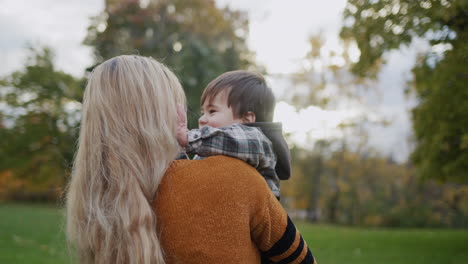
pixel 237 107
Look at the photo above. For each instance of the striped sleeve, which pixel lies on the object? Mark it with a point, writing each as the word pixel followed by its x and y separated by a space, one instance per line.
pixel 290 248
pixel 276 236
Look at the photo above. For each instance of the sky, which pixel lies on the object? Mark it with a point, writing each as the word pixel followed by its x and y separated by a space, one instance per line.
pixel 278 35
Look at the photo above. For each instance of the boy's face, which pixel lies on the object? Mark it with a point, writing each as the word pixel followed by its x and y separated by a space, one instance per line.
pixel 217 113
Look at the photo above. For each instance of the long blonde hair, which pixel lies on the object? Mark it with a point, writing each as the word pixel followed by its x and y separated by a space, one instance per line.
pixel 127 141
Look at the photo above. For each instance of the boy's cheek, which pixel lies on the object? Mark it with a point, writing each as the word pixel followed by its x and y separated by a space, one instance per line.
pixel 210 121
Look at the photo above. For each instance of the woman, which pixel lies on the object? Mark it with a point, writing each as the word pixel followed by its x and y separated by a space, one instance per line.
pixel 129 201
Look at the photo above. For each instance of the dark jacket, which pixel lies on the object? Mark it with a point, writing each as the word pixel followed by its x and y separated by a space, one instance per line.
pixel 274 132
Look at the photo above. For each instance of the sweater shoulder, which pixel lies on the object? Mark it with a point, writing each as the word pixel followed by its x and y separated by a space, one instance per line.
pixel 216 169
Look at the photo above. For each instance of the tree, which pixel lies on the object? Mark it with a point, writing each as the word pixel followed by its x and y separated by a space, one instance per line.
pixel 303 193
pixel 440 121
pixel 325 80
pixel 37 128
pixel 195 38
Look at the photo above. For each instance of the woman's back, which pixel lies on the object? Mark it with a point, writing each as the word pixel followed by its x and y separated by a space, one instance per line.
pixel 220 210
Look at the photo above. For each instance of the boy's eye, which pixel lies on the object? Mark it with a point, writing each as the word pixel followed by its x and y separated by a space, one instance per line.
pixel 212 111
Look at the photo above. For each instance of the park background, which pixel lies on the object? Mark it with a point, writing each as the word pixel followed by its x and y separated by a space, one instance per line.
pixel 372 95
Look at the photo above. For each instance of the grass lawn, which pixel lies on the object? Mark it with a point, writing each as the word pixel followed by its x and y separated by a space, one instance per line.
pixel 333 245
pixel 34 234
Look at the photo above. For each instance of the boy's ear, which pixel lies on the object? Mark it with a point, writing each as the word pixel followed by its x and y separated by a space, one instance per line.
pixel 249 117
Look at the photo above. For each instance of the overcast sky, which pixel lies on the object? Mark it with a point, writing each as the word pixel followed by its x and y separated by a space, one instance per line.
pixel 278 35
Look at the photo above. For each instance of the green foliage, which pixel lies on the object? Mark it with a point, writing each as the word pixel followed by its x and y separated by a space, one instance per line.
pixel 441 118
pixel 37 129
pixel 440 76
pixel 195 38
pixel 382 25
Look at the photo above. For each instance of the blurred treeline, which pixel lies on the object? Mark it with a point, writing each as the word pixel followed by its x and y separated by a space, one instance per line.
pixel 362 188
pixel 338 181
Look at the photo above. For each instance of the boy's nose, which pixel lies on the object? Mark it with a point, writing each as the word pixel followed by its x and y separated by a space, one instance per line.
pixel 202 121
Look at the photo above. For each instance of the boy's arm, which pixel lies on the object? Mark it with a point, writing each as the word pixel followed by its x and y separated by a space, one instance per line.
pixel 237 141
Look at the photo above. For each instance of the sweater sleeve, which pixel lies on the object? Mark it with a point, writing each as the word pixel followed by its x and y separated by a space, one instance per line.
pixel 276 235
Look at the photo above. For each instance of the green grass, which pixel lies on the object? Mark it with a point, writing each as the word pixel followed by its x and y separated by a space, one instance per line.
pixel 333 245
pixel 34 234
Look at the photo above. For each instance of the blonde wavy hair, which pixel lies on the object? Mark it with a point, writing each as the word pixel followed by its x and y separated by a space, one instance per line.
pixel 127 141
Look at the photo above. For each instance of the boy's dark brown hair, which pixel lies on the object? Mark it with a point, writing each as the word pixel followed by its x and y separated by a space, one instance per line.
pixel 247 91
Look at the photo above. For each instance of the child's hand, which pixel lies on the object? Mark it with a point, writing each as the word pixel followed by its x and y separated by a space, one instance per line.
pixel 182 126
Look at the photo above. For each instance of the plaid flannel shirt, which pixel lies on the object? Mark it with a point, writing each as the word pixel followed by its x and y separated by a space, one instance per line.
pixel 238 141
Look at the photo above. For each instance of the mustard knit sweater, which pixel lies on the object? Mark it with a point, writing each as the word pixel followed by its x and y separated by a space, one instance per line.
pixel 220 210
